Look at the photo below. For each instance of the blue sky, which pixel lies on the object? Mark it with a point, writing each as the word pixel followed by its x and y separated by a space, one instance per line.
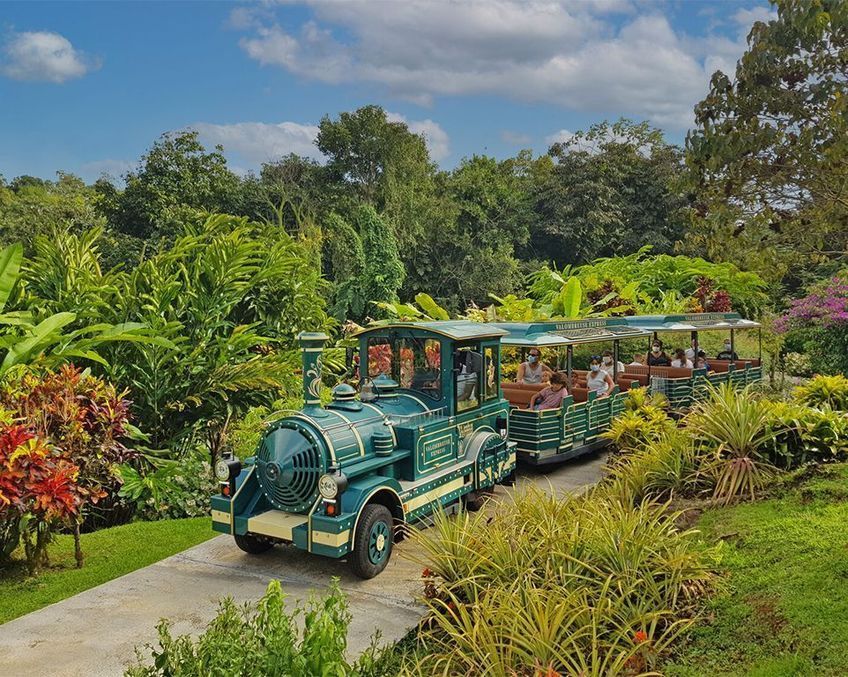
pixel 87 87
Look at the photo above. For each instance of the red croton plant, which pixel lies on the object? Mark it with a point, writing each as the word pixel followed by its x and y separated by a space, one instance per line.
pixel 60 445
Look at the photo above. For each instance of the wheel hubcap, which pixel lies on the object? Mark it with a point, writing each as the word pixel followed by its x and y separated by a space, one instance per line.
pixel 378 545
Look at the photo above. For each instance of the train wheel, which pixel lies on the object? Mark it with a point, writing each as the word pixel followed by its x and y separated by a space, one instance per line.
pixel 253 544
pixel 374 540
pixel 474 500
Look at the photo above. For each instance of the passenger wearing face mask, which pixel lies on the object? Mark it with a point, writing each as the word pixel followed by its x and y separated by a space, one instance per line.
pixel 657 357
pixel 597 380
pixel 607 363
pixel 533 371
pixel 728 353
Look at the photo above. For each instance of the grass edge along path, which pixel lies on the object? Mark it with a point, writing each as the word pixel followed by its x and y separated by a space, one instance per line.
pixel 109 554
pixel 783 609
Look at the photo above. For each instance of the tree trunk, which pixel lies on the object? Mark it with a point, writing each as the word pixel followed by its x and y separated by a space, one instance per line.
pixel 77 546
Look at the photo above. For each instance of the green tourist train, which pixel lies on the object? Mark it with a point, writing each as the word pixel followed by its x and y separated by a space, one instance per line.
pixel 434 424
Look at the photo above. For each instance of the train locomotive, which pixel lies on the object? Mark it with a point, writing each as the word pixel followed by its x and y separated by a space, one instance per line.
pixel 429 428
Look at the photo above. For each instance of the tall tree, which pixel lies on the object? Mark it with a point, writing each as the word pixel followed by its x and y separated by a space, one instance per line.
pixel 175 174
pixel 30 207
pixel 769 155
pixel 383 271
pixel 613 188
pixel 383 164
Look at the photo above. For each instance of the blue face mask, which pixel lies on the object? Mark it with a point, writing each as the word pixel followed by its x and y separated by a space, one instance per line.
pixel 596 367
pixel 532 359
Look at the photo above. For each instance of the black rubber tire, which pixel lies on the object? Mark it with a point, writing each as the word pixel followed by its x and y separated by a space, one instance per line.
pixel 509 480
pixel 253 545
pixel 360 560
pixel 475 500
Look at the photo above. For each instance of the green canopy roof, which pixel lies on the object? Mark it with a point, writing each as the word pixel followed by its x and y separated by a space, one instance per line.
pixel 567 332
pixel 457 330
pixel 690 322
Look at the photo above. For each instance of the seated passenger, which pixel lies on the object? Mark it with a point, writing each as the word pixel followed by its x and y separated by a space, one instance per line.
pixel 728 353
pixel 638 360
pixel 701 362
pixel 658 358
pixel 690 352
pixel 597 380
pixel 606 363
pixel 533 370
pixel 550 397
pixel 680 359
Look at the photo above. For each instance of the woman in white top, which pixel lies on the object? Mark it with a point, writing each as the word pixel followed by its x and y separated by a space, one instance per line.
pixel 597 380
pixel 533 371
pixel 680 359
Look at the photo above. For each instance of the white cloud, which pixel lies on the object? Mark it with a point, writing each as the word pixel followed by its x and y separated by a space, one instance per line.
pixel 436 138
pixel 515 138
pixel 567 53
pixel 259 142
pixel 43 56
pixel 562 136
pixel 113 169
pixel 746 17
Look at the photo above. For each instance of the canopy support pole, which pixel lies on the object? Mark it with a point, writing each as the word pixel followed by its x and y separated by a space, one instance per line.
pixel 615 361
pixel 569 355
pixel 732 343
pixel 695 348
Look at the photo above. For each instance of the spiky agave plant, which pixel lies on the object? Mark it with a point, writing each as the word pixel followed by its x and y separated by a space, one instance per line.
pixel 736 426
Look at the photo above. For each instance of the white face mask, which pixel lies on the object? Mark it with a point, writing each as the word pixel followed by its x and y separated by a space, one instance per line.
pixel 656 349
pixel 607 360
pixel 727 346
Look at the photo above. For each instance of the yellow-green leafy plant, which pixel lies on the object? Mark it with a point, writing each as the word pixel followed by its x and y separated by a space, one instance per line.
pixel 663 469
pixel 824 390
pixel 736 428
pixel 576 585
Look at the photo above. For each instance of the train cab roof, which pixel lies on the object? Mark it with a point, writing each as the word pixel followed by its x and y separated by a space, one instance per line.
pixel 567 332
pixel 690 322
pixel 458 330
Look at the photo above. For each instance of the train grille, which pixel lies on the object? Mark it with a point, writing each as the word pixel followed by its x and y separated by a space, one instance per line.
pixel 289 465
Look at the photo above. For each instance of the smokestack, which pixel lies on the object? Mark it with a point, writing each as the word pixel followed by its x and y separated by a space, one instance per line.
pixel 311 347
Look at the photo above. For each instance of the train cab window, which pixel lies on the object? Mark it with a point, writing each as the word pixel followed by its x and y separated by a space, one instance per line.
pixel 420 362
pixel 491 368
pixel 468 371
pixel 380 357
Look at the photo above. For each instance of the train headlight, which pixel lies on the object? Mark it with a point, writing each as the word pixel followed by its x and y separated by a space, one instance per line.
pixel 331 485
pixel 227 469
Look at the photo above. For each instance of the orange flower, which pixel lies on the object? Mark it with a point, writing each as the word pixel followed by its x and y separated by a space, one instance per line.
pixel 426 573
pixel 640 636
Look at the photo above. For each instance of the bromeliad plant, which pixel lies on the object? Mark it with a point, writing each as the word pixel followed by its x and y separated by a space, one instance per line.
pixel 831 391
pixel 736 428
pixel 574 585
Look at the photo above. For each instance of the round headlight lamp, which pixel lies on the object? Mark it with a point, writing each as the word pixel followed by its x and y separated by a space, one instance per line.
pixel 331 485
pixel 227 469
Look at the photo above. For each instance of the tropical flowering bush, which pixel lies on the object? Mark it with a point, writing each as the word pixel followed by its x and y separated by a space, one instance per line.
pixel 818 325
pixel 61 450
pixel 38 492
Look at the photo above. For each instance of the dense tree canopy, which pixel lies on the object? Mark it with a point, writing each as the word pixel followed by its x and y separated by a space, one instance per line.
pixel 769 156
pixel 613 189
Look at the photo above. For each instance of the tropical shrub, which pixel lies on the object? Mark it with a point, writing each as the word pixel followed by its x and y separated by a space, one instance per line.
pixel 263 640
pixel 818 324
pixel 643 421
pixel 804 434
pixel 831 391
pixel 797 364
pixel 736 428
pixel 82 420
pixel 38 493
pixel 574 585
pixel 664 468
pixel 167 488
pixel 230 296
pixel 644 284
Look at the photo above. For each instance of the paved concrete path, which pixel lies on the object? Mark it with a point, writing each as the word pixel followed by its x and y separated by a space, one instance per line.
pixel 94 633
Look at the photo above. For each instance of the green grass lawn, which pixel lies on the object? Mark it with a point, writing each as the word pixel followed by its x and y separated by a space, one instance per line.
pixel 109 553
pixel 784 607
